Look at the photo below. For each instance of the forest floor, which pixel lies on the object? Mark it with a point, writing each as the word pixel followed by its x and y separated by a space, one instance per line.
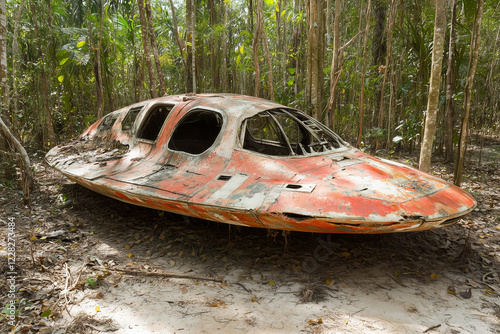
pixel 91 264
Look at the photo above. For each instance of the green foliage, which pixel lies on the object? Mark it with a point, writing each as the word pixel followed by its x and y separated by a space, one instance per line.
pixel 70 49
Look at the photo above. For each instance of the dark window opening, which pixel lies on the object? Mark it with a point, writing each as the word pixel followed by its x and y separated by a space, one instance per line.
pixel 196 132
pixel 129 120
pixel 153 123
pixel 108 122
pixel 286 132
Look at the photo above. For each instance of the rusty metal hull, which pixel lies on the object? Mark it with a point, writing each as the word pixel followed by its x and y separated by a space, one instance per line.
pixel 332 189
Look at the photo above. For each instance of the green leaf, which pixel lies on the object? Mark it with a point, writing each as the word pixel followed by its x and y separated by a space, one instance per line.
pixel 292 70
pixel 62 54
pixel 80 44
pixel 242 48
pixel 62 62
pixel 290 82
pixel 46 313
pixel 60 78
pixel 238 59
pixel 269 2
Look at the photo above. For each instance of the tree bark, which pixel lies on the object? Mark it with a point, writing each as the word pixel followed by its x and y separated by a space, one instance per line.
pixel 224 48
pixel 448 133
pixel 147 53
pixel 100 88
pixel 335 68
pixel 193 43
pixel 180 43
pixel 3 54
pixel 49 121
pixel 388 62
pixel 434 86
pixel 154 45
pixel 15 60
pixel 474 50
pixel 255 50
pixel 314 70
pixel 266 51
pixel 24 161
pixel 363 73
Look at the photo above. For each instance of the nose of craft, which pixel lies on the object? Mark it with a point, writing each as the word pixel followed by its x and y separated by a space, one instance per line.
pixel 447 203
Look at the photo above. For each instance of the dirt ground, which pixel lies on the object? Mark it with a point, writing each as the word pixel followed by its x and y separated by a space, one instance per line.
pixel 90 264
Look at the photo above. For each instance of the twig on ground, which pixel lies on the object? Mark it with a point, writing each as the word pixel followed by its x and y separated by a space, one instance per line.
pixel 395 280
pixel 161 274
pixel 431 328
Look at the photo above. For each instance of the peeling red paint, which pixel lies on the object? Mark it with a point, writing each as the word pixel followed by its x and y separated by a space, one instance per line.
pixel 248 161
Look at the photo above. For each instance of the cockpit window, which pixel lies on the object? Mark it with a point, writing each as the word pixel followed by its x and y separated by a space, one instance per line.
pixel 196 132
pixel 286 132
pixel 129 120
pixel 108 122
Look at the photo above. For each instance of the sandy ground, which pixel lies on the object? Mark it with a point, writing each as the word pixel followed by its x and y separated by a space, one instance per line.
pixel 102 266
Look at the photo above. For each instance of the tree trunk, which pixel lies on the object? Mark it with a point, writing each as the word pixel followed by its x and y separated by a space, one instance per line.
pixel 335 68
pixel 49 122
pixel 474 49
pixel 448 133
pixel 100 88
pixel 314 71
pixel 434 86
pixel 266 51
pixel 224 48
pixel 214 71
pixel 180 43
pixel 363 73
pixel 255 49
pixel 147 53
pixel 154 45
pixel 193 44
pixel 24 160
pixel 388 62
pixel 3 56
pixel 15 60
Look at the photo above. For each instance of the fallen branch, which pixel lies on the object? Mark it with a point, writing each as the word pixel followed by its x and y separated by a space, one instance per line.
pixel 395 280
pixel 161 274
pixel 431 328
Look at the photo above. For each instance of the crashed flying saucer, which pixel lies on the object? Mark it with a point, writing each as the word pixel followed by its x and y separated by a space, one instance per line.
pixel 252 162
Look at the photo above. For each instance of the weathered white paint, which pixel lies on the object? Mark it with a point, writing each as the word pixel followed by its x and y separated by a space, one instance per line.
pixel 230 186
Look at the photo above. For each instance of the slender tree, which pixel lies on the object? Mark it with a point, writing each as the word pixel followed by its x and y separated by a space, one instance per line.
pixel 335 68
pixel 314 69
pixel 49 121
pixel 180 43
pixel 193 43
pixel 154 46
pixel 3 53
pixel 15 61
pixel 260 35
pixel 388 62
pixel 255 48
pixel 448 134
pixel 471 71
pixel 99 81
pixel 24 161
pixel 434 86
pixel 363 73
pixel 147 52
